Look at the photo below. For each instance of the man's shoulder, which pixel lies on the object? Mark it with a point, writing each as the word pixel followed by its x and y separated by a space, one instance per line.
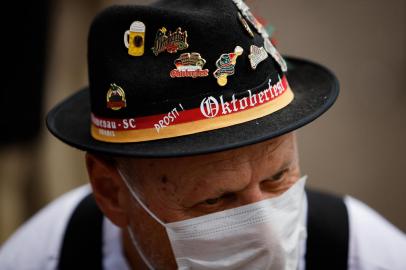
pixel 374 242
pixel 37 242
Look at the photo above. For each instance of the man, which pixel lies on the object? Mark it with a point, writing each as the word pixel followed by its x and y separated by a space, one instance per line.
pixel 192 156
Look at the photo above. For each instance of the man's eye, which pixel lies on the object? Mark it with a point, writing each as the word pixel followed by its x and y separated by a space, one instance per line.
pixel 212 201
pixel 279 175
pixel 215 204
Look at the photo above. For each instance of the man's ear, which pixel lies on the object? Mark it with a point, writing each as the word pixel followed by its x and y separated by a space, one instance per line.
pixel 107 189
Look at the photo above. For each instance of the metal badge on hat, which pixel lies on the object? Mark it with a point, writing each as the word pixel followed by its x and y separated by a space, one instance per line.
pixel 245 25
pixel 269 47
pixel 134 39
pixel 258 54
pixel 116 98
pixel 226 65
pixel 245 10
pixel 172 42
pixel 189 65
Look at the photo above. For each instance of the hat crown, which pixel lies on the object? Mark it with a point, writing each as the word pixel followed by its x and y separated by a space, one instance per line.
pixel 143 105
pixel 212 28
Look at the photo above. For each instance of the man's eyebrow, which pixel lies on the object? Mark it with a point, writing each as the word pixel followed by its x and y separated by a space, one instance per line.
pixel 287 163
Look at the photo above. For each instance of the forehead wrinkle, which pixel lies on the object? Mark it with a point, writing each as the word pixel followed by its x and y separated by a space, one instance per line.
pixel 229 160
pixel 224 161
pixel 198 178
pixel 211 163
pixel 266 153
pixel 222 169
pixel 234 160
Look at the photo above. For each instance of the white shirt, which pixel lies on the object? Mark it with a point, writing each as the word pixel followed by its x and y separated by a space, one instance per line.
pixel 374 243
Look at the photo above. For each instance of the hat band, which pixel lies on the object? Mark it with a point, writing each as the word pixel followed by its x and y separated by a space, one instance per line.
pixel 214 113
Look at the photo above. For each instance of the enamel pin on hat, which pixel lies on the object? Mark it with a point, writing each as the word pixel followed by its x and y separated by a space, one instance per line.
pixel 269 47
pixel 226 65
pixel 171 42
pixel 258 54
pixel 189 65
pixel 245 25
pixel 134 39
pixel 116 98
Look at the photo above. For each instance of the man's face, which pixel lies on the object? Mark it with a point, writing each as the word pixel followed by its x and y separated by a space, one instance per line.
pixel 177 189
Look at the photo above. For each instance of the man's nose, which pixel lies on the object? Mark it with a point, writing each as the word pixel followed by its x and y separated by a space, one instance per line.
pixel 251 195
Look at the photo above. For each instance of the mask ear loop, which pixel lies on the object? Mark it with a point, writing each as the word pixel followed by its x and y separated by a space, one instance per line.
pixel 138 248
pixel 130 232
pixel 135 196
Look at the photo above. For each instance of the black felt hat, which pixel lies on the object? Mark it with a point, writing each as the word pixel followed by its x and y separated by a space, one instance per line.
pixel 187 77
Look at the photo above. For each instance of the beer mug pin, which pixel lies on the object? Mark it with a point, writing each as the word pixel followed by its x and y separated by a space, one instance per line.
pixel 134 39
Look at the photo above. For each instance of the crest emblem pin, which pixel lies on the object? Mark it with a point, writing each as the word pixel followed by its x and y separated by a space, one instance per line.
pixel 116 98
pixel 170 42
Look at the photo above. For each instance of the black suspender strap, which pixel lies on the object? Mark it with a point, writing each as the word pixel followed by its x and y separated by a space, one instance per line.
pixel 327 232
pixel 82 243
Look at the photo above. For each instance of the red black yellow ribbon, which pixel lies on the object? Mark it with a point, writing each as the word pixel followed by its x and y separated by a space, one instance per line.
pixel 213 113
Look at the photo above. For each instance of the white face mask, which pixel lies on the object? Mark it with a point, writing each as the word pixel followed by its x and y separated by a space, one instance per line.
pixel 263 235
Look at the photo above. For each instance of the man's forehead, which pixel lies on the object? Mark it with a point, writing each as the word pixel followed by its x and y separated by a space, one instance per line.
pixel 211 175
pixel 243 154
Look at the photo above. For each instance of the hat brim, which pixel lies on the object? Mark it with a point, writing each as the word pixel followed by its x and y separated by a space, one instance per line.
pixel 314 86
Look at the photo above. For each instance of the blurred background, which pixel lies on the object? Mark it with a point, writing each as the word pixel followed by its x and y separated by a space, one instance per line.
pixel 356 148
